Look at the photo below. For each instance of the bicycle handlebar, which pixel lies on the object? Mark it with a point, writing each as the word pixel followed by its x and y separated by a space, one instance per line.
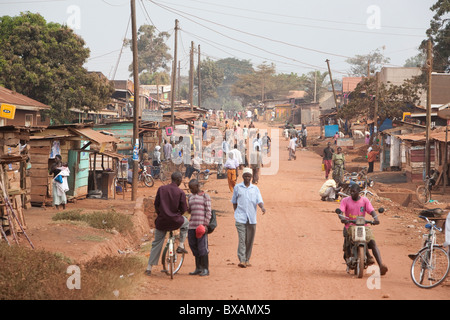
pixel 432 223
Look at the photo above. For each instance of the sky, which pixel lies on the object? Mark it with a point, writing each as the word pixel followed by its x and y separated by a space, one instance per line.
pixel 297 36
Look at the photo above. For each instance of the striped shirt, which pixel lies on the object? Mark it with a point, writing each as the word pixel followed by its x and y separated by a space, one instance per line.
pixel 199 206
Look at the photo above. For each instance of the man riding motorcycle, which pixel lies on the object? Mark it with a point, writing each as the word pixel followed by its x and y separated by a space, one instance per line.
pixel 355 206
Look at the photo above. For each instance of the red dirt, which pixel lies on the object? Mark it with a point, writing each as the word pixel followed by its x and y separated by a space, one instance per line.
pixel 297 252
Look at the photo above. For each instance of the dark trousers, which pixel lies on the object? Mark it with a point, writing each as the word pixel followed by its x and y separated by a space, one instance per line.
pixel 199 247
pixel 370 167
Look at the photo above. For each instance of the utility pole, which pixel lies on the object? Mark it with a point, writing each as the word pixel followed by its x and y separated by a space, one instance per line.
pixel 199 79
pixel 174 76
pixel 315 86
pixel 375 113
pixel 191 78
pixel 332 84
pixel 428 123
pixel 136 103
pixel 179 80
pixel 368 69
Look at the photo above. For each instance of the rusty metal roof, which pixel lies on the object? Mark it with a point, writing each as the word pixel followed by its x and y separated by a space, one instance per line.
pixel 19 100
pixel 95 136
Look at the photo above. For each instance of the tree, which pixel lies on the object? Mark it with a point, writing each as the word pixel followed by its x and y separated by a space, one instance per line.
pixel 393 100
pixel 44 61
pixel 317 80
pixel 211 77
pixel 416 61
pixel 439 33
pixel 153 51
pixel 360 63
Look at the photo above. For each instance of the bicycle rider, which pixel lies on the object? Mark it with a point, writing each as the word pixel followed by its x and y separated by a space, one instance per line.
pixel 354 206
pixel 170 205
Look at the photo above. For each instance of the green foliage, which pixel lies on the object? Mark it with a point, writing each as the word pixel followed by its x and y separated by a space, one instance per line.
pixel 44 61
pixel 153 51
pixel 439 33
pixel 393 100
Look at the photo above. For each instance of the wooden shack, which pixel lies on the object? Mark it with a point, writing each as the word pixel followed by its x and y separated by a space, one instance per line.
pixel 415 162
pixel 15 186
pixel 75 144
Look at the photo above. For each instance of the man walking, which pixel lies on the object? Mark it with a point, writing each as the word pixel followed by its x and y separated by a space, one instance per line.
pixel 232 166
pixel 170 205
pixel 246 197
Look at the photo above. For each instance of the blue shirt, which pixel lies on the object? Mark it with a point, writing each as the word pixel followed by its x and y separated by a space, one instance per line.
pixel 246 198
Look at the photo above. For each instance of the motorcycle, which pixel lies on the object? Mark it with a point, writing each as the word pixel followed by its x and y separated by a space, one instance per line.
pixel 343 189
pixel 358 245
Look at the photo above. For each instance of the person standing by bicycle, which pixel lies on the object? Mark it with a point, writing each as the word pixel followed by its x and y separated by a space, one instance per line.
pixel 355 206
pixel 200 210
pixel 170 205
pixel 246 197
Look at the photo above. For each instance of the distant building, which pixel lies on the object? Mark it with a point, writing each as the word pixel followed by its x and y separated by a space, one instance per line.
pixel 28 111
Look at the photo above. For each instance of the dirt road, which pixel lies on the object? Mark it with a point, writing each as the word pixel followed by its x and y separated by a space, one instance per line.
pixel 298 248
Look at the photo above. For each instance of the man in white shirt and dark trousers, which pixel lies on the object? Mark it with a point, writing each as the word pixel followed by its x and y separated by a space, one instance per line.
pixel 246 197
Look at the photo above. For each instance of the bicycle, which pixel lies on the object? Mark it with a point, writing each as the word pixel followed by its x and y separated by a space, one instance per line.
pixel 431 264
pixel 423 192
pixel 171 259
pixel 159 172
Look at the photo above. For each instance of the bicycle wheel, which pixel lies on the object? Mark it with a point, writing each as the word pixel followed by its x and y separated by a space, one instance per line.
pixel 148 180
pixel 201 176
pixel 162 177
pixel 423 194
pixel 178 259
pixel 430 267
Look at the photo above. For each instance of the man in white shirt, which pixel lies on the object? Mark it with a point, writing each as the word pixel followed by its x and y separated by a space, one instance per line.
pixel 232 166
pixel 246 197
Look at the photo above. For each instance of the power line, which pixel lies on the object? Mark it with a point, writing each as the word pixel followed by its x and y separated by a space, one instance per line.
pixel 304 25
pixel 244 42
pixel 300 17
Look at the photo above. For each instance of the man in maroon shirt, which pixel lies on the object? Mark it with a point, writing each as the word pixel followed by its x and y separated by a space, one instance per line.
pixel 170 205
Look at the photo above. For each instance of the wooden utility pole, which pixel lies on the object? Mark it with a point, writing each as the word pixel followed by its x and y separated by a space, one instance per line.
pixel 332 84
pixel 179 80
pixel 174 76
pixel 315 86
pixel 136 102
pixel 191 78
pixel 199 79
pixel 375 112
pixel 428 122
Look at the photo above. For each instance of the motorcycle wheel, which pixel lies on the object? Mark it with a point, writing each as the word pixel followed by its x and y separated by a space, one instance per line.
pixel 148 181
pixel 360 262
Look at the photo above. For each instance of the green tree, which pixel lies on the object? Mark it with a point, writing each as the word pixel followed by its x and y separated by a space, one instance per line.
pixel 211 77
pixel 44 61
pixel 393 100
pixel 439 33
pixel 153 51
pixel 318 82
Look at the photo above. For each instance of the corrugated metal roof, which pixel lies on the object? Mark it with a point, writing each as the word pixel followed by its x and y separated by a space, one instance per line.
pixel 413 137
pixel 95 136
pixel 17 99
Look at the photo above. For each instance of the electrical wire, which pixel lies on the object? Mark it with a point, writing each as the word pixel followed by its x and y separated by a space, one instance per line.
pixel 304 25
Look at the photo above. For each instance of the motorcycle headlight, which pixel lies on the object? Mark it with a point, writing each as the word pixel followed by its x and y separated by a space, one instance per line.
pixel 371 183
